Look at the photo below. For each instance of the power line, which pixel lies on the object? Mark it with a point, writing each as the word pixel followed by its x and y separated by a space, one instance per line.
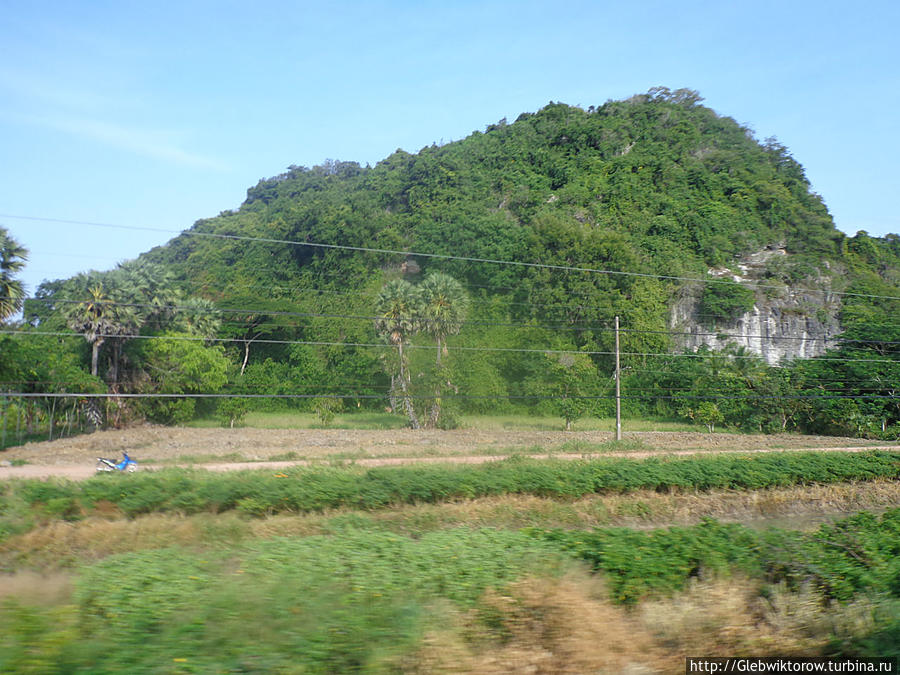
pixel 351 395
pixel 844 387
pixel 429 347
pixel 362 317
pixel 441 256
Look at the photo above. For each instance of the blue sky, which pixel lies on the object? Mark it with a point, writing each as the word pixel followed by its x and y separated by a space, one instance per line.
pixel 158 114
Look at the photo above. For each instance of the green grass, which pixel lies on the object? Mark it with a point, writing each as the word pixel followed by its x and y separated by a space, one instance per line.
pixel 308 420
pixel 358 601
pixel 364 600
pixel 532 423
pixel 380 420
pixel 307 489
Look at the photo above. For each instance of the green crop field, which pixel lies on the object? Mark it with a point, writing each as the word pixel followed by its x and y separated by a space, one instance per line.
pixel 444 568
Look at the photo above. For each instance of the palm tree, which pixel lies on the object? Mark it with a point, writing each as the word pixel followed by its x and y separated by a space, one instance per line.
pixel 92 317
pixel 397 310
pixel 444 308
pixel 151 289
pixel 12 260
pixel 198 316
pixel 101 313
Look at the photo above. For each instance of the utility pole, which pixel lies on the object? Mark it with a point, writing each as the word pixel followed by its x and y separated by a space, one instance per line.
pixel 618 388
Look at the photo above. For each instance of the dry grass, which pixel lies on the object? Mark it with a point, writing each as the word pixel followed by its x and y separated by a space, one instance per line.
pixel 794 507
pixel 729 616
pixel 542 625
pixel 60 543
pixel 568 625
pixel 32 588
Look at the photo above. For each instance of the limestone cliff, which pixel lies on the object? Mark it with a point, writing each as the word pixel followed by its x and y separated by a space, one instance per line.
pixel 788 320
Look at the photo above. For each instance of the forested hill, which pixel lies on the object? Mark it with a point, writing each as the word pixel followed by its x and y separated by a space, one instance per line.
pixel 656 183
pixel 657 187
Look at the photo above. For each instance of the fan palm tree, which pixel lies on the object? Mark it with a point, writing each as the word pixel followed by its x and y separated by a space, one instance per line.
pixel 12 260
pixel 101 314
pixel 397 309
pixel 92 317
pixel 152 290
pixel 198 316
pixel 444 308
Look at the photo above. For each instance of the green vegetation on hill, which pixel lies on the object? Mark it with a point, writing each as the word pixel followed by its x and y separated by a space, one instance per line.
pixel 650 188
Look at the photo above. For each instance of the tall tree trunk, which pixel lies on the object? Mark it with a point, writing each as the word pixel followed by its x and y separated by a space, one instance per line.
pixel 435 411
pixel 114 362
pixel 95 355
pixel 52 415
pixel 404 384
pixel 246 355
pixel 5 410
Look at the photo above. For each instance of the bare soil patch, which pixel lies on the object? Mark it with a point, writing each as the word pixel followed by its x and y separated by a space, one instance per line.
pixel 223 449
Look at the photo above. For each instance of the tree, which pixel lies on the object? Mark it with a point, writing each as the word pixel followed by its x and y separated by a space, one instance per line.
pixel 197 316
pixel 94 317
pixel 42 364
pixel 398 309
pixel 573 383
pixel 150 289
pixel 708 413
pixel 564 383
pixel 12 260
pixel 444 305
pixel 176 366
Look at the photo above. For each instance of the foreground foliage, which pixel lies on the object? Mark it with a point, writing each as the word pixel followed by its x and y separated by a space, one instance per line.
pixel 315 489
pixel 321 604
pixel 370 601
pixel 855 555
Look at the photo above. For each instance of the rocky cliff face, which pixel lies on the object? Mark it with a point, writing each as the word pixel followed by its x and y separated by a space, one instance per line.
pixel 787 321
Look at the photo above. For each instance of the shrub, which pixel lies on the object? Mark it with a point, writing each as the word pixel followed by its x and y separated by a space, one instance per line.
pixel 231 411
pixel 326 408
pixel 725 300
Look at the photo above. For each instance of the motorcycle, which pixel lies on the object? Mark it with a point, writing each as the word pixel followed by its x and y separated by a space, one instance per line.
pixel 127 464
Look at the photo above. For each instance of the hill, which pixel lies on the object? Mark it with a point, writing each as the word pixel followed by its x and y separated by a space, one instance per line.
pixel 657 193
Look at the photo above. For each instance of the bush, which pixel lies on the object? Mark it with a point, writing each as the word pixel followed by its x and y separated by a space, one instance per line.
pixel 326 408
pixel 725 300
pixel 853 556
pixel 232 411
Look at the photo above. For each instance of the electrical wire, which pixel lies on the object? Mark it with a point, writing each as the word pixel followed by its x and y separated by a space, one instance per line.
pixel 534 397
pixel 439 256
pixel 429 347
pixel 600 328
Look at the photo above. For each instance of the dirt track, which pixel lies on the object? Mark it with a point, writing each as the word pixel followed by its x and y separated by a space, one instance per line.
pixel 224 449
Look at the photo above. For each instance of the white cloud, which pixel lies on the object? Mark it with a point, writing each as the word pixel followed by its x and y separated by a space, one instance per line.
pixel 149 143
pixel 65 106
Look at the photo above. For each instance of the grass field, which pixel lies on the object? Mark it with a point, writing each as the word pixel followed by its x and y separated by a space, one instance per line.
pixel 375 420
pixel 505 567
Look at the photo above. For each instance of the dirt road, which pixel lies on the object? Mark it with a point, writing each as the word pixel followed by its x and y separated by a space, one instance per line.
pixel 274 449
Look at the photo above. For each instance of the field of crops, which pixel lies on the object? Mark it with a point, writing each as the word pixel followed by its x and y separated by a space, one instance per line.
pixel 493 568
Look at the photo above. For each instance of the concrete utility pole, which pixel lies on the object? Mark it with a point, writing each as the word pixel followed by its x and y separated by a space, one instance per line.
pixel 618 388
